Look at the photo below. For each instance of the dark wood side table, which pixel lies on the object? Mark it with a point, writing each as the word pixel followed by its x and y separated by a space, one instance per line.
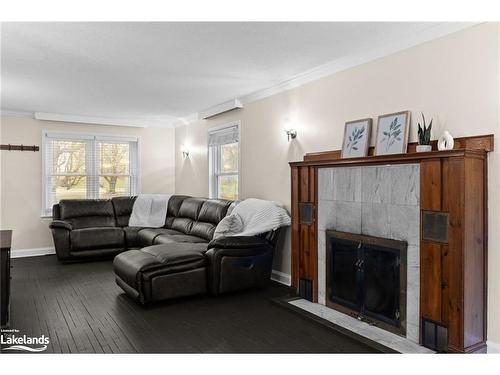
pixel 5 242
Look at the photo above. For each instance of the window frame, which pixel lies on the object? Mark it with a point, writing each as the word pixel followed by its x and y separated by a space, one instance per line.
pixel 214 161
pixel 92 169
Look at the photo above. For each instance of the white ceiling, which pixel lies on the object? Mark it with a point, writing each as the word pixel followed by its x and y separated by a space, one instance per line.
pixel 158 72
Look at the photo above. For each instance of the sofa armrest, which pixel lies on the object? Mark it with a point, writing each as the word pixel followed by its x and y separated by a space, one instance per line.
pixel 238 242
pixel 238 262
pixel 216 254
pixel 60 224
pixel 62 241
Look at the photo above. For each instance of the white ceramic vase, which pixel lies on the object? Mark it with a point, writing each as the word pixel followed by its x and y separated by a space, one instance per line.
pixel 446 141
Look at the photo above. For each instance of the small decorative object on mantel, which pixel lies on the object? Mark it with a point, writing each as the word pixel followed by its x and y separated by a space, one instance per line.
pixel 392 133
pixel 424 136
pixel 446 142
pixel 356 138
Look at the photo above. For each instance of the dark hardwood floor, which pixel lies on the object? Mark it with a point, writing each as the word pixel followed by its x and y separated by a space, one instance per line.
pixel 82 310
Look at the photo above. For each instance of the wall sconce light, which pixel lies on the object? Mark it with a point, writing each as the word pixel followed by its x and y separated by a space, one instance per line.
pixel 291 134
pixel 185 152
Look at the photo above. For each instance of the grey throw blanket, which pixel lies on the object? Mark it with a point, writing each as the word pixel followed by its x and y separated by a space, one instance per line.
pixel 150 210
pixel 253 216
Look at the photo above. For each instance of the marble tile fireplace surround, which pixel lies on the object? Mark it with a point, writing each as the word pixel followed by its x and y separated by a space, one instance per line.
pixel 380 201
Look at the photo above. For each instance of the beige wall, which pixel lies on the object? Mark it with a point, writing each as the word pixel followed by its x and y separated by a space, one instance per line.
pixel 21 172
pixel 455 80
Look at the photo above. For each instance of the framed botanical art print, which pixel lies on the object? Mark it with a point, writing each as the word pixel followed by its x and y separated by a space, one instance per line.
pixel 356 138
pixel 392 133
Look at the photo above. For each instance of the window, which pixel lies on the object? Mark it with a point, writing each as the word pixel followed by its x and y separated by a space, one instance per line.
pixel 223 146
pixel 79 166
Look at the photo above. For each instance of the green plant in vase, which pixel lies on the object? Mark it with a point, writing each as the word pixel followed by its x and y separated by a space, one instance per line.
pixel 424 136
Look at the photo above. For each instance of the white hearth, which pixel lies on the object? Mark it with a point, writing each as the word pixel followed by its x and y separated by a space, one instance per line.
pixel 388 339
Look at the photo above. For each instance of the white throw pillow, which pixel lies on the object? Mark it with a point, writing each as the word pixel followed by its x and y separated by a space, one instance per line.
pixel 231 224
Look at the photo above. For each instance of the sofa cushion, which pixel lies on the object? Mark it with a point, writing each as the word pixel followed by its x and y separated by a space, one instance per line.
pixel 87 213
pixel 123 208
pixel 174 204
pixel 182 224
pixel 147 235
pixel 211 213
pixel 213 210
pixel 177 238
pixel 203 230
pixel 190 208
pixel 132 236
pixel 97 238
pixel 187 215
pixel 176 253
pixel 131 265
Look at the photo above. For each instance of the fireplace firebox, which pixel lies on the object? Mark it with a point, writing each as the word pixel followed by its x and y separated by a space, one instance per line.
pixel 366 278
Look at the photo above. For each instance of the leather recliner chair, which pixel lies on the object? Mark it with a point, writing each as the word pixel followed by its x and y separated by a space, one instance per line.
pixel 86 229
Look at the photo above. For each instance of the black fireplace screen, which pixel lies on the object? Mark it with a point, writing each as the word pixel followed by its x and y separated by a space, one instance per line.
pixel 366 277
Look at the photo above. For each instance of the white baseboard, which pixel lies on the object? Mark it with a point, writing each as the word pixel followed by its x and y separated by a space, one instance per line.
pixel 281 277
pixel 493 347
pixel 36 252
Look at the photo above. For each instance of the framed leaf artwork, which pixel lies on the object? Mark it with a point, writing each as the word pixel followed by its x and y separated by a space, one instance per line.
pixel 392 133
pixel 356 138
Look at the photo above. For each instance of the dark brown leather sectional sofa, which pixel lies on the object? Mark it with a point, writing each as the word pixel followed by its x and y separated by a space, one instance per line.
pixel 153 264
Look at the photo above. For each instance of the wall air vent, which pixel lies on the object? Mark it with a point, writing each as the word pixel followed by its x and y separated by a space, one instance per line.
pixel 220 108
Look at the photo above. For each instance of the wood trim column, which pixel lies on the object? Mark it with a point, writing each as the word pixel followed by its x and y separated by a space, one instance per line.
pixel 304 235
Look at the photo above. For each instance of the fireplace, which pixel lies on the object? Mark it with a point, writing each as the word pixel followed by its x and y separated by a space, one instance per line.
pixel 366 278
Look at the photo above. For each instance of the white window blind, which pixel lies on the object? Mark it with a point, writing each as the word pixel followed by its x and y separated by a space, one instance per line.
pixel 79 166
pixel 223 136
pixel 224 161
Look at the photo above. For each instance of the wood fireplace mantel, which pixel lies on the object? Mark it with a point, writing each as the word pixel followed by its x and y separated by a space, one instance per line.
pixel 453 273
pixel 478 142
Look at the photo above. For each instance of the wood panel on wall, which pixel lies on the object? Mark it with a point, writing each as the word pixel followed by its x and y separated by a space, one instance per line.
pixel 430 281
pixel 453 201
pixel 456 186
pixel 430 185
pixel 304 235
pixel 475 253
